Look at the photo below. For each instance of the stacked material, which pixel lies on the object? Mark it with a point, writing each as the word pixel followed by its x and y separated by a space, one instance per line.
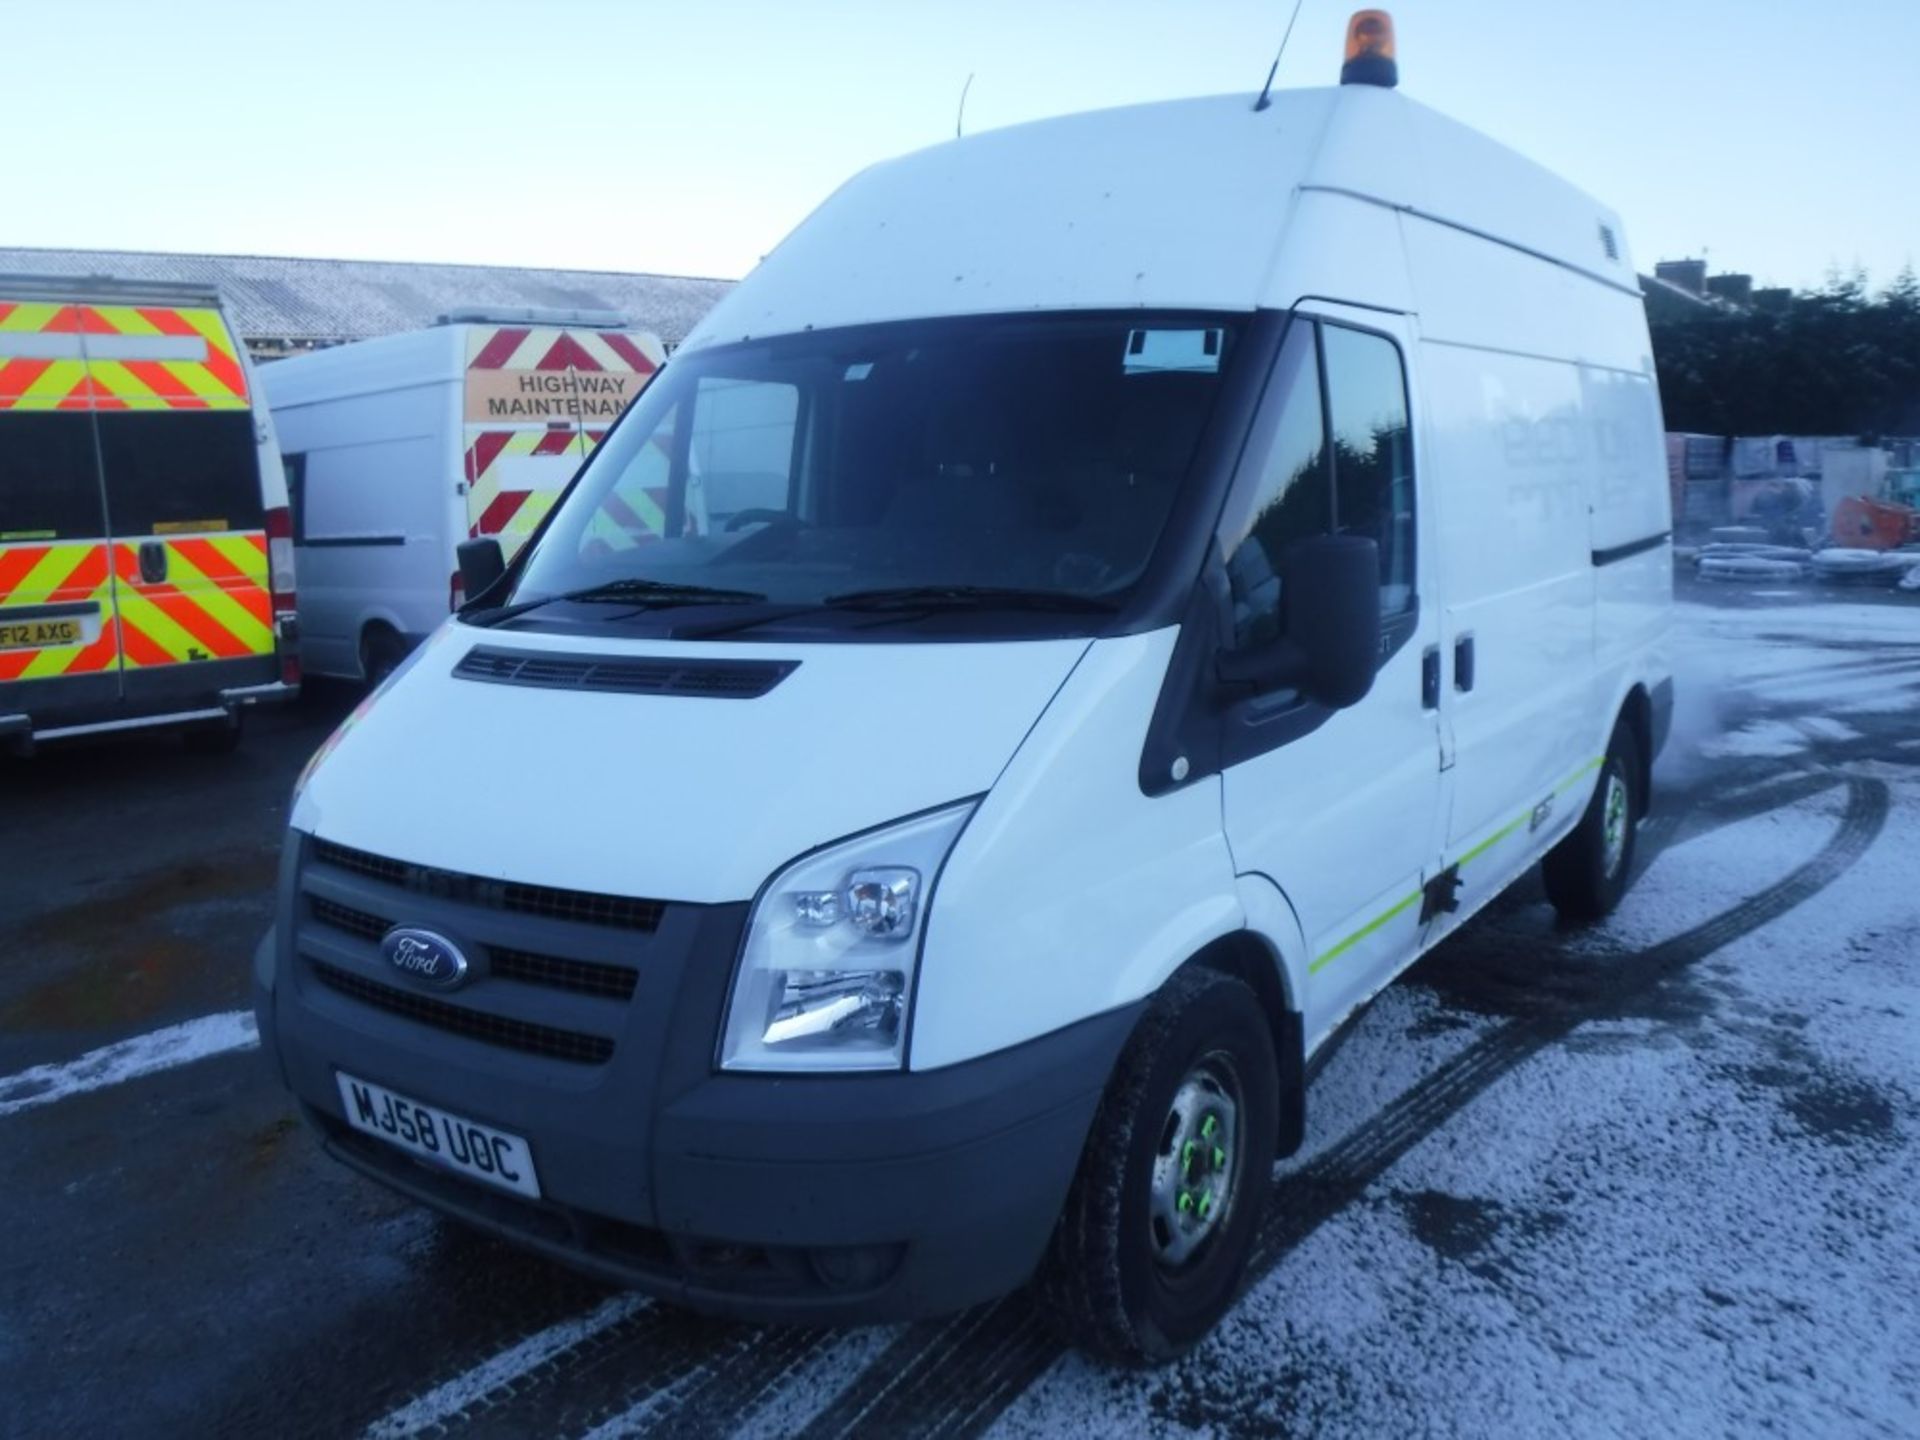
pixel 1866 567
pixel 1746 561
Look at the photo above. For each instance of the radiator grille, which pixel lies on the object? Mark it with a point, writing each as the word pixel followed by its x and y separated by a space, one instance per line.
pixel 584 977
pixel 581 906
pixel 522 1035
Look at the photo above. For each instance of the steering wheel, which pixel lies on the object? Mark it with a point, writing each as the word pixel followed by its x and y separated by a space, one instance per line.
pixel 760 515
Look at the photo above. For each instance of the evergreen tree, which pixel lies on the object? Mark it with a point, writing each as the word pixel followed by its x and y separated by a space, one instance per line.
pixel 1840 360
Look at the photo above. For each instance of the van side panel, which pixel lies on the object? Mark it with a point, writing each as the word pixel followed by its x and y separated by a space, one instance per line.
pixel 1532 373
pixel 371 522
pixel 1632 525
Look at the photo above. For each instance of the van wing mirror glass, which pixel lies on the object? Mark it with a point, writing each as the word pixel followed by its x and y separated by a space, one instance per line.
pixel 1331 647
pixel 481 566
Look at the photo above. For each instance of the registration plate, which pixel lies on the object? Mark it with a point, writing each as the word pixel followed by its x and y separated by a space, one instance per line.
pixel 33 634
pixel 464 1146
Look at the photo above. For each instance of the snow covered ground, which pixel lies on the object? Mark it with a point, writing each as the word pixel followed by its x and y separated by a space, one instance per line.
pixel 1662 1178
pixel 1653 1178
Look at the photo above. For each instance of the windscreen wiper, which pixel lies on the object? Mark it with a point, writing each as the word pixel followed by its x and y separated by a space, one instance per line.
pixel 634 590
pixel 969 597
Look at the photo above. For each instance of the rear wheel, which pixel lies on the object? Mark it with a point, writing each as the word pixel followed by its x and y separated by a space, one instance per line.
pixel 1587 873
pixel 1161 1218
pixel 381 651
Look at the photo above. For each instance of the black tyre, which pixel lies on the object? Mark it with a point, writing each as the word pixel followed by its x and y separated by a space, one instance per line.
pixel 1150 1249
pixel 213 737
pixel 1587 873
pixel 380 652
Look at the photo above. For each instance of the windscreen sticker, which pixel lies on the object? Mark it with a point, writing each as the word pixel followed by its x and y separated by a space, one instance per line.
pixel 1193 352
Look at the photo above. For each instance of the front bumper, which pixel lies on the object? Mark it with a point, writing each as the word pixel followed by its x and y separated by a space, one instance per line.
pixel 810 1199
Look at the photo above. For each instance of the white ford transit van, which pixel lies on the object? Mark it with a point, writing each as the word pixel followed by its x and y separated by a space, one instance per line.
pixel 1208 551
pixel 401 447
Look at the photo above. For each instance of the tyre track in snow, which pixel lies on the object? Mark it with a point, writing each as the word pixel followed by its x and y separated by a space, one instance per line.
pixel 956 1380
pixel 1305 1200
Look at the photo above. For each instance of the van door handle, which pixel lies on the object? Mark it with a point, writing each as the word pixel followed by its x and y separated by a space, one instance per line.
pixel 1430 678
pixel 1463 663
pixel 153 562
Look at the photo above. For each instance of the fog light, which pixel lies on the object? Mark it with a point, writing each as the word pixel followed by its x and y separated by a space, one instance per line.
pixel 854 1267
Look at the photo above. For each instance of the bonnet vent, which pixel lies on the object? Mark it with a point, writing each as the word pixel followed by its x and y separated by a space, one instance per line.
pixel 625 674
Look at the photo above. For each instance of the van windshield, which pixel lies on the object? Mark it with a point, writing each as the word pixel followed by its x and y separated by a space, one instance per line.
pixel 1025 463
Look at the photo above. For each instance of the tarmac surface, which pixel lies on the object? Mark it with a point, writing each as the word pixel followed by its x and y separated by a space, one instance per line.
pixel 1651 1177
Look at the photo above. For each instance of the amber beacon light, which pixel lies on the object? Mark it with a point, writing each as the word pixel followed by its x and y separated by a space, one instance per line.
pixel 1370 50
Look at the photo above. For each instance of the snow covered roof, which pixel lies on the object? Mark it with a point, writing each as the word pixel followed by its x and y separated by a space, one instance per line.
pixel 272 299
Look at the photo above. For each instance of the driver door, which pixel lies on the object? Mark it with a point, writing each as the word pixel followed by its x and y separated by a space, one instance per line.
pixel 1340 809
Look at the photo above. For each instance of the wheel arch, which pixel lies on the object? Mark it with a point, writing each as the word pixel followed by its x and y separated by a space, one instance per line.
pixel 1636 713
pixel 1251 958
pixel 372 625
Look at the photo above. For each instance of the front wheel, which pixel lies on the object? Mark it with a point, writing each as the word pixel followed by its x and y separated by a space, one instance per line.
pixel 1161 1217
pixel 1587 873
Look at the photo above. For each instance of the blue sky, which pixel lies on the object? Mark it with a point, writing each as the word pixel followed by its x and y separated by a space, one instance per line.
pixel 1780 136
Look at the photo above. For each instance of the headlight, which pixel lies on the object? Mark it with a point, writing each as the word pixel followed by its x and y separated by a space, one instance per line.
pixel 826 974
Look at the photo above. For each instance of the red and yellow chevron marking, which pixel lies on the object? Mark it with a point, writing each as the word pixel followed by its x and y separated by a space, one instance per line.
pixel 117 357
pixel 515 347
pixel 55 573
pixel 213 605
pixel 497 510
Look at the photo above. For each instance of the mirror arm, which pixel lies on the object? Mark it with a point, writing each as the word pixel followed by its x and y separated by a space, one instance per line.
pixel 1259 669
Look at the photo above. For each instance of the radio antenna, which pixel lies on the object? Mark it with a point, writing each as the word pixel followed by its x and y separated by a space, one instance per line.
pixel 1266 90
pixel 960 119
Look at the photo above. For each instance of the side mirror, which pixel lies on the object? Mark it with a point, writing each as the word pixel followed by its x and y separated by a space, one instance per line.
pixel 481 566
pixel 1331 648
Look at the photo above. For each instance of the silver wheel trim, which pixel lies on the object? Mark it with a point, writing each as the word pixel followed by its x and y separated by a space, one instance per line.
pixel 1616 819
pixel 1207 1174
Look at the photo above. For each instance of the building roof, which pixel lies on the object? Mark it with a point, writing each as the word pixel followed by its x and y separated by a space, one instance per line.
pixel 276 300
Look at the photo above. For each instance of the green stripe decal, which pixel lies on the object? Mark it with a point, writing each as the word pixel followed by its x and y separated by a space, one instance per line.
pixel 1493 839
pixel 1485 845
pixel 1580 774
pixel 1354 939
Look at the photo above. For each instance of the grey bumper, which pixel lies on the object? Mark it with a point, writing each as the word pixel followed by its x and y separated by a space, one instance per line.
pixel 799 1198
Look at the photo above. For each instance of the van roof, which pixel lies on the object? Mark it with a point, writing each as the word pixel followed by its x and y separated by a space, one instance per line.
pixel 1178 205
pixel 105 290
pixel 437 355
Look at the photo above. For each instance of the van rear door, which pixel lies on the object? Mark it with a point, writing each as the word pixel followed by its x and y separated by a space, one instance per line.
pixel 58 645
pixel 180 462
pixel 537 400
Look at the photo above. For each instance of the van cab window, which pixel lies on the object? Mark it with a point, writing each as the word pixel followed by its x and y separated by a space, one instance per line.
pixel 1372 453
pixel 1352 385
pixel 1031 454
